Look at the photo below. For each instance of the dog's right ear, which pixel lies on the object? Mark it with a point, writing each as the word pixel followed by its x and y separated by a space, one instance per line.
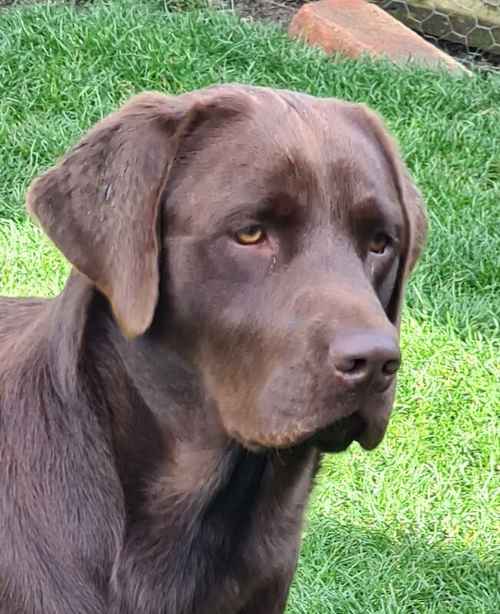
pixel 100 204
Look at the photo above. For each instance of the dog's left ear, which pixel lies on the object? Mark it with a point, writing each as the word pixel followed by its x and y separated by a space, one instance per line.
pixel 414 213
pixel 100 205
pixel 415 216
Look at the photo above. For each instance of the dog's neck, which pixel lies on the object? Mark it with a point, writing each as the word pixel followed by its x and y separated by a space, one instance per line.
pixel 167 435
pixel 194 498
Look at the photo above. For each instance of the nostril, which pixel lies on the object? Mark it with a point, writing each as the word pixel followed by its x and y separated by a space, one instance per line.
pixel 391 367
pixel 352 366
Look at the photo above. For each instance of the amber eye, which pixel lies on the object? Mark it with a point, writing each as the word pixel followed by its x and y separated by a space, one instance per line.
pixel 251 235
pixel 379 243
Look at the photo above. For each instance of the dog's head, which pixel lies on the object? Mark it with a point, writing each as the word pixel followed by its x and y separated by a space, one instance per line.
pixel 266 234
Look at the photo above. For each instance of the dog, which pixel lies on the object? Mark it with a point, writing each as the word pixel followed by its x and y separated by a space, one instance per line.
pixel 239 257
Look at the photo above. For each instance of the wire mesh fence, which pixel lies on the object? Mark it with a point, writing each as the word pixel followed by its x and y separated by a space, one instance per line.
pixel 474 24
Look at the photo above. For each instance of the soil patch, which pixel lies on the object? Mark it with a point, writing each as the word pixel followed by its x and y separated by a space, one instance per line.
pixel 275 11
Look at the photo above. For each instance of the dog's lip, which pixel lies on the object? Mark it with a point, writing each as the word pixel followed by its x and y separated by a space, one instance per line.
pixel 339 435
pixel 369 439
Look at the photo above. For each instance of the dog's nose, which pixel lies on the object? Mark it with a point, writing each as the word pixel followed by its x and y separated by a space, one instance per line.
pixel 366 358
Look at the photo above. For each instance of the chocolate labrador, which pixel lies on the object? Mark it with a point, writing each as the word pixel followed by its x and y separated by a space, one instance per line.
pixel 239 256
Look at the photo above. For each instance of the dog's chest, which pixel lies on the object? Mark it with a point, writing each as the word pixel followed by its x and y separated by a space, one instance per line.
pixel 218 558
pixel 258 535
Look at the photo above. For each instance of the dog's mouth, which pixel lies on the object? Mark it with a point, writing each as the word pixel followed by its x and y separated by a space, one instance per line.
pixel 338 436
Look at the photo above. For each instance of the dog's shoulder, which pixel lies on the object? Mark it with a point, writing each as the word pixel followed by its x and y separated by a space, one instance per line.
pixel 61 501
pixel 16 313
pixel 23 323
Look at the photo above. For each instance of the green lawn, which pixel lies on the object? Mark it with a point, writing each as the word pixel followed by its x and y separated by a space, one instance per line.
pixel 413 526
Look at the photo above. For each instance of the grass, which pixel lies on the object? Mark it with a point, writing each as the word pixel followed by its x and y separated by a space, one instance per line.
pixel 411 527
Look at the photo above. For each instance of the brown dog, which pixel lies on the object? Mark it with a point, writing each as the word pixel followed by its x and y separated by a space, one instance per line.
pixel 239 261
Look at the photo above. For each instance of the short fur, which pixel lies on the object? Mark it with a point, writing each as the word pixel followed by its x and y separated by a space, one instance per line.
pixel 161 421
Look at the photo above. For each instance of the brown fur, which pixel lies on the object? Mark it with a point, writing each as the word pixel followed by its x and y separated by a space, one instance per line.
pixel 161 420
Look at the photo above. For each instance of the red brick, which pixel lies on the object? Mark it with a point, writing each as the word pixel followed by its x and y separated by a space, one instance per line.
pixel 355 27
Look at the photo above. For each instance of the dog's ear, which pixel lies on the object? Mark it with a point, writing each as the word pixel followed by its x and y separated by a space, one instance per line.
pixel 100 205
pixel 414 213
pixel 415 217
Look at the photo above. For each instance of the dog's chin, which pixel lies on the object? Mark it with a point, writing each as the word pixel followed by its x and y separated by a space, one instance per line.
pixel 338 436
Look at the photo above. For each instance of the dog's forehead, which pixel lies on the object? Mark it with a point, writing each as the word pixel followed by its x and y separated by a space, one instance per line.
pixel 317 151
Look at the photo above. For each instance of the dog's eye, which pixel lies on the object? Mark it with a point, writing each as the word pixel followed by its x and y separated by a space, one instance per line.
pixel 251 235
pixel 379 243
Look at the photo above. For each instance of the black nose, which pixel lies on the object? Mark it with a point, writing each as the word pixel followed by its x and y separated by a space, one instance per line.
pixel 366 357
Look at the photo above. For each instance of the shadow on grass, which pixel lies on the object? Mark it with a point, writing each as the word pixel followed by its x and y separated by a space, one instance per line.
pixel 347 569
